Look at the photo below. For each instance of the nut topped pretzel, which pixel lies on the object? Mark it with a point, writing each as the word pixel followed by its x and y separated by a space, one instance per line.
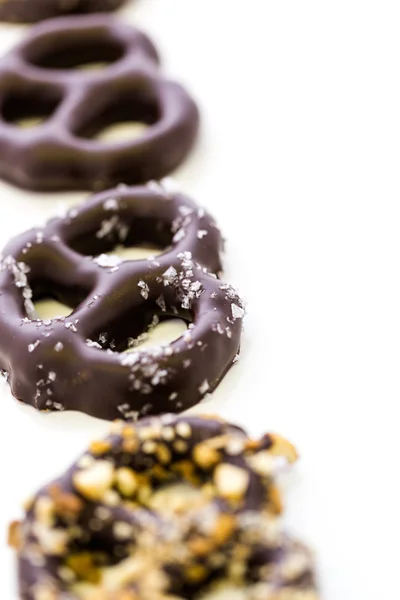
pixel 169 508
pixel 38 80
pixel 79 362
pixel 29 11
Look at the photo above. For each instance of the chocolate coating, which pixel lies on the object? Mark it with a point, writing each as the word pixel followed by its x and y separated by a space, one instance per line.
pixel 30 11
pixel 78 362
pixel 103 514
pixel 37 79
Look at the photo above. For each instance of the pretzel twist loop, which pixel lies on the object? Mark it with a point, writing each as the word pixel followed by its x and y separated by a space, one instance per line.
pixel 37 80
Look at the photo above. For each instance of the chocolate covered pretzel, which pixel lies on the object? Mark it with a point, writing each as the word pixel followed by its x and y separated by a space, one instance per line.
pixel 29 11
pixel 169 508
pixel 78 362
pixel 37 80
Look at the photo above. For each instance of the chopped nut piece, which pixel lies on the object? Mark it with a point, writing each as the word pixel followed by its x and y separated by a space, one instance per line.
pixel 111 498
pixel 183 429
pixel 127 481
pixel 282 447
pixel 262 463
pixel 127 571
pixel 15 535
pixel 219 442
pixel 65 504
pixel 180 446
pixel 163 454
pixel 84 567
pixel 205 456
pixel 149 433
pixel 100 447
pixel 186 469
pixel 44 510
pixel 66 574
pixel 94 481
pixel 235 446
pixel 128 431
pixel 196 573
pixel 149 447
pixel 122 531
pixel 130 445
pixel 275 501
pixel 252 444
pixel 231 481
pixel 168 433
pixel 53 541
pixel 224 528
pixel 200 546
pixel 144 493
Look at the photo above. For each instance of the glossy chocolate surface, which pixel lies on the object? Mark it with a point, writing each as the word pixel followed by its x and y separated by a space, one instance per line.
pixel 30 11
pixel 38 80
pixel 78 362
pixel 102 515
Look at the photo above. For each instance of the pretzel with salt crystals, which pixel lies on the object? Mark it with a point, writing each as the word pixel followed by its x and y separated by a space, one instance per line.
pixel 79 362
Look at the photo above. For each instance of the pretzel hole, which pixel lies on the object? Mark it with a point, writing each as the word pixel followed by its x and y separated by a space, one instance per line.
pixel 165 332
pixel 124 117
pixel 51 300
pixel 139 332
pixel 136 252
pixel 68 52
pixel 29 108
pixel 127 238
pixel 48 308
pixel 121 131
pixel 120 254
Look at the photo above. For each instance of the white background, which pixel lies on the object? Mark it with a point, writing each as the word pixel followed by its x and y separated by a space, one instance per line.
pixel 299 162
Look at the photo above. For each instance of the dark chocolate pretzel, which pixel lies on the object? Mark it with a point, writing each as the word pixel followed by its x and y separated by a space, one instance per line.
pixel 29 11
pixel 109 528
pixel 36 79
pixel 77 362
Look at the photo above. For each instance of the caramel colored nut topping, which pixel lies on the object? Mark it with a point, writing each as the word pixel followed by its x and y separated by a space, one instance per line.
pixel 275 502
pixel 14 535
pixel 231 481
pixel 196 573
pixel 224 528
pixel 83 566
pixel 100 447
pixel 94 481
pixel 159 521
pixel 65 503
pixel 281 447
pixel 44 510
pixel 205 456
pixel 127 481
